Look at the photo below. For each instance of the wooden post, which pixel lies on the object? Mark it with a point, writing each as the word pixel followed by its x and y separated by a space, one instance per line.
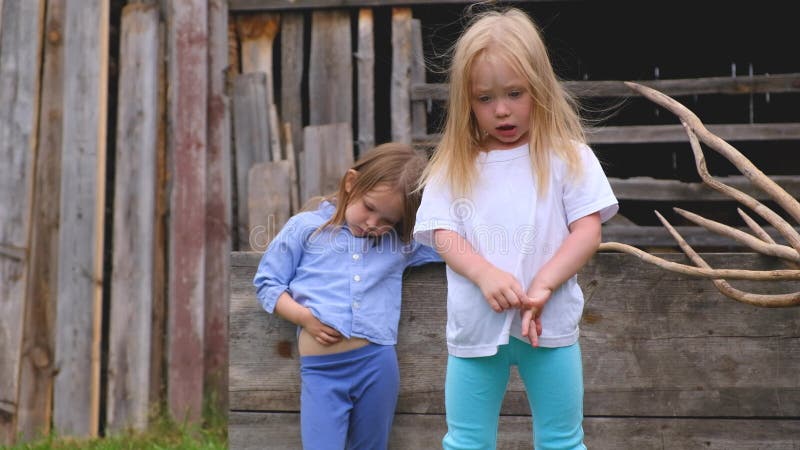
pixel 250 119
pixel 269 201
pixel 401 75
pixel 419 119
pixel 135 182
pixel 290 158
pixel 187 77
pixel 291 101
pixel 20 40
pixel 330 78
pixel 365 59
pixel 257 34
pixel 76 397
pixel 327 157
pixel 37 367
pixel 218 212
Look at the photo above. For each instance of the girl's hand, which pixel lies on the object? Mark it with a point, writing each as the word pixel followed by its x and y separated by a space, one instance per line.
pixel 321 333
pixel 500 289
pixel 532 314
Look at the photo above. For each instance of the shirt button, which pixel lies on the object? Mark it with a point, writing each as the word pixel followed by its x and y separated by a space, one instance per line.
pixel 357 277
pixel 356 256
pixel 355 305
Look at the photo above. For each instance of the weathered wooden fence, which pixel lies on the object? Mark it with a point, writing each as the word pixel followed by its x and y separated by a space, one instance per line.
pixel 115 226
pixel 668 363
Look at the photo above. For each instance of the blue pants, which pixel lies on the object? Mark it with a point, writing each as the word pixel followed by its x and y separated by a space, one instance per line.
pixel 475 387
pixel 347 399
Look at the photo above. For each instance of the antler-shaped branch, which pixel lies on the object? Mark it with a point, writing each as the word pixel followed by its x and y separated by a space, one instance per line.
pixel 761 242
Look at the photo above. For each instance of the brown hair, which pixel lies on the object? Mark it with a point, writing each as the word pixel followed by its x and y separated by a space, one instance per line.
pixel 395 164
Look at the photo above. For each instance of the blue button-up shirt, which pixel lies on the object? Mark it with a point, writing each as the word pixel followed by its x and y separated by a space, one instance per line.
pixel 350 283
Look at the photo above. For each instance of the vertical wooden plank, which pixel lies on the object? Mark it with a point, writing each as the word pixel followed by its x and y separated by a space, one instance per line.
pixel 187 78
pixel 135 182
pixel 250 119
pixel 326 158
pixel 294 190
pixel 291 101
pixel 20 46
pixel 257 35
pixel 330 78
pixel 80 249
pixel 419 119
pixel 401 75
pixel 158 347
pixel 233 50
pixel 37 365
pixel 269 202
pixel 366 81
pixel 218 210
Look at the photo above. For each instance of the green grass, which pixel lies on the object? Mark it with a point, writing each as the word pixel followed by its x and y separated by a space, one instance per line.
pixel 163 434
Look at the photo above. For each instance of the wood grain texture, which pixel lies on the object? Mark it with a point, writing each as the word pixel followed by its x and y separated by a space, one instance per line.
pixel 400 98
pixel 252 138
pixel 268 203
pixel 666 357
pixel 330 71
pixel 291 96
pixel 37 367
pixel 327 156
pixel 219 232
pixel 187 78
pixel 20 65
pixel 251 430
pixel 76 395
pixel 135 190
pixel 365 66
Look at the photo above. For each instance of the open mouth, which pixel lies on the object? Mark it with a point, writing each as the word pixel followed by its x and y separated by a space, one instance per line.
pixel 506 127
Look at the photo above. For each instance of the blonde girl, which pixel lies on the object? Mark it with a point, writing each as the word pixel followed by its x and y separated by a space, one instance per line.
pixel 513 201
pixel 336 273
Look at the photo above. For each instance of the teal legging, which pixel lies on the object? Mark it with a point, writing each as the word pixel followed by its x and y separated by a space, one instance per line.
pixel 475 387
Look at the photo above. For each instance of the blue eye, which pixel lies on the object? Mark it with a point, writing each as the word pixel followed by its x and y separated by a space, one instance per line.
pixel 515 94
pixel 484 98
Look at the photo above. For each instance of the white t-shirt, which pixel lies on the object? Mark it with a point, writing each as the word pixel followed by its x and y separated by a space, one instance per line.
pixel 517 231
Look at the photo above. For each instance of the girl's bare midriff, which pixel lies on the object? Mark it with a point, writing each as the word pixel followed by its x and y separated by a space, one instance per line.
pixel 308 346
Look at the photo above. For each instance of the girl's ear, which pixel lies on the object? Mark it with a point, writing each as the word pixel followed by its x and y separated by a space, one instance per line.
pixel 350 179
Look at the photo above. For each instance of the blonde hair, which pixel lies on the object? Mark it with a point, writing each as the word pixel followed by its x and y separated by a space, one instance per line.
pixel 395 164
pixel 555 122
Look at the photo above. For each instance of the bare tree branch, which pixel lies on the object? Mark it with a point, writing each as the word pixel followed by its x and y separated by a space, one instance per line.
pixel 761 242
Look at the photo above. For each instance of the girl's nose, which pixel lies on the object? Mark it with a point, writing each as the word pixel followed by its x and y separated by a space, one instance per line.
pixel 501 110
pixel 372 220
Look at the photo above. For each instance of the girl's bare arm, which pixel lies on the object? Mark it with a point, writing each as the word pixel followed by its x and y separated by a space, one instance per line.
pixel 501 290
pixel 576 250
pixel 301 316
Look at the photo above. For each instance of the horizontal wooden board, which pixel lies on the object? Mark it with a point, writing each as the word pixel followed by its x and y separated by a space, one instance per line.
pixel 251 430
pixel 652 189
pixel 273 5
pixel 658 236
pixel 757 84
pixel 638 134
pixel 654 343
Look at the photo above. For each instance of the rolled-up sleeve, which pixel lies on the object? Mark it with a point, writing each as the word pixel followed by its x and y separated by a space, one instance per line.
pixel 278 264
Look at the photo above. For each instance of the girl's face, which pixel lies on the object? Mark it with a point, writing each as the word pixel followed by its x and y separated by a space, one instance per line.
pixel 501 103
pixel 375 213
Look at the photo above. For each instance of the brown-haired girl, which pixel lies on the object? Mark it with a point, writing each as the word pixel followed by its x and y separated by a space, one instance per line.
pixel 336 273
